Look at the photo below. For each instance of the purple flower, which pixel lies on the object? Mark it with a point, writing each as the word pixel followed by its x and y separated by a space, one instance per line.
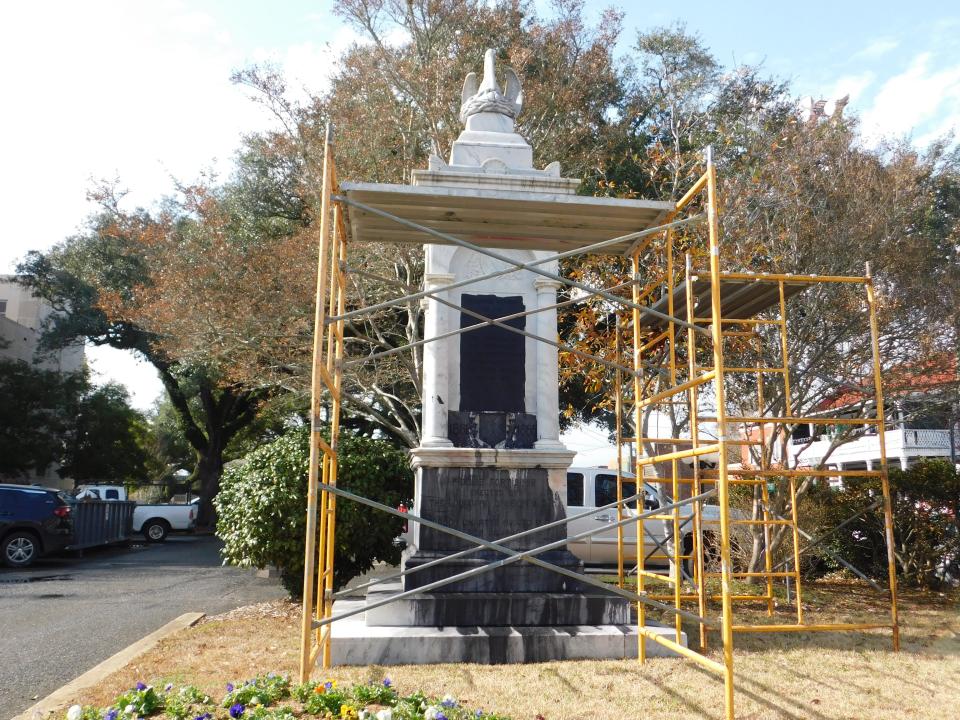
pixel 441 716
pixel 205 716
pixel 328 686
pixel 229 687
pixel 479 713
pixel 141 686
pixel 386 682
pixel 236 711
pixel 111 714
pixel 168 687
pixel 448 702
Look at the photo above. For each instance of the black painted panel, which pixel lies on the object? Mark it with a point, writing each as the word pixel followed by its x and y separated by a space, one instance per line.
pixel 492 429
pixel 492 371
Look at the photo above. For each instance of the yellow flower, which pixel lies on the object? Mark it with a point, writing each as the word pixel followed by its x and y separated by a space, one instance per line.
pixel 349 712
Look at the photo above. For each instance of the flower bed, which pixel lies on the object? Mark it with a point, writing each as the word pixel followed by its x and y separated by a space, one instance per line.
pixel 271 697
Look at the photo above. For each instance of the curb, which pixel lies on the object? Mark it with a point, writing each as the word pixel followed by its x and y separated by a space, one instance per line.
pixel 66 694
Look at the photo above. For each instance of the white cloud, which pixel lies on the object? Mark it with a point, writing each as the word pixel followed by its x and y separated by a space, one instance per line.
pixel 910 101
pixel 309 67
pixel 878 48
pixel 852 85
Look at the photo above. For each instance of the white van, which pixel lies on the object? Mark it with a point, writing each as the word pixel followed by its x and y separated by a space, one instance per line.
pixel 592 487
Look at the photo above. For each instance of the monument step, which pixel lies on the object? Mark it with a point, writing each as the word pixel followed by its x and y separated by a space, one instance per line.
pixel 356 643
pixel 503 609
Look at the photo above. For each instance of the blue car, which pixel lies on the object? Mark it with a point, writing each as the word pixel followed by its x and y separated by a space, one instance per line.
pixel 34 521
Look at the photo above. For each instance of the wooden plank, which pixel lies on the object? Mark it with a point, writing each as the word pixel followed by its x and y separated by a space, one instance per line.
pixel 425 214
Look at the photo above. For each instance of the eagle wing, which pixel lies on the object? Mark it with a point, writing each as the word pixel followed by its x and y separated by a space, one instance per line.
pixel 513 91
pixel 469 87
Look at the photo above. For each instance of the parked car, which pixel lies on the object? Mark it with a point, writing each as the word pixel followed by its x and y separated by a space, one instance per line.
pixel 591 487
pixel 34 521
pixel 153 521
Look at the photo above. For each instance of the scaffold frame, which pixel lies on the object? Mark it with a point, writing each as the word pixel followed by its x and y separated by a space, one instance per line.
pixel 328 394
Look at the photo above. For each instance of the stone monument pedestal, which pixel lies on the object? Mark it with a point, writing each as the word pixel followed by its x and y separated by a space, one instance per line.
pixel 356 642
pixel 517 613
pixel 494 494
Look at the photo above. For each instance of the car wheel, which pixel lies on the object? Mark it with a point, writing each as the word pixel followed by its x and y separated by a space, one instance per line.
pixel 711 553
pixel 155 530
pixel 20 549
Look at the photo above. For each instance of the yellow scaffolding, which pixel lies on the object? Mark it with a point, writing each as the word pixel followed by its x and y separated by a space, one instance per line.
pixel 658 379
pixel 655 348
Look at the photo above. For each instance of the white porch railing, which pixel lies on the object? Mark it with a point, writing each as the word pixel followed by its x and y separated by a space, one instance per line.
pixel 901 442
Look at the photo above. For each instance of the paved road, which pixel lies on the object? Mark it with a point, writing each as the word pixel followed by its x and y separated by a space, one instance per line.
pixel 62 616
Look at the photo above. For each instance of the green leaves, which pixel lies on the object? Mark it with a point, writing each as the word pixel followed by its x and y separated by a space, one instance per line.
pixel 926 505
pixel 37 415
pixel 262 499
pixel 261 690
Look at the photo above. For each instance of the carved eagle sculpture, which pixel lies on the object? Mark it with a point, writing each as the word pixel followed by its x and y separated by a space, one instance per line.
pixel 486 97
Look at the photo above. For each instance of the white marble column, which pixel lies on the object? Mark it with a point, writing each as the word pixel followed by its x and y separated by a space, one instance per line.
pixel 436 367
pixel 548 374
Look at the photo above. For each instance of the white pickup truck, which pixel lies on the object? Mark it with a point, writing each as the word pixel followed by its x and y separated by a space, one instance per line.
pixel 591 487
pixel 154 522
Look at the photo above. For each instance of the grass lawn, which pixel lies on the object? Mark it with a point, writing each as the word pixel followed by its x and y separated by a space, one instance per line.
pixel 809 675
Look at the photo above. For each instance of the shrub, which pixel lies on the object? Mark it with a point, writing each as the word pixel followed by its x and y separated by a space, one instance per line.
pixel 926 500
pixel 261 507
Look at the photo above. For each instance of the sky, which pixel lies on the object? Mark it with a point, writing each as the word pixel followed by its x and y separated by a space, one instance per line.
pixel 141 92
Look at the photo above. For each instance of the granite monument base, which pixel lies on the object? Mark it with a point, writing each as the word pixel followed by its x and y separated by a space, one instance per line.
pixel 357 643
pixel 496 609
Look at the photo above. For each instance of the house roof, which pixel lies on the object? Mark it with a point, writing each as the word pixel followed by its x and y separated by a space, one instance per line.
pixel 927 376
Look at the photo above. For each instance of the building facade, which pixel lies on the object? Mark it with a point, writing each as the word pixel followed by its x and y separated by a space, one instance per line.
pixel 22 315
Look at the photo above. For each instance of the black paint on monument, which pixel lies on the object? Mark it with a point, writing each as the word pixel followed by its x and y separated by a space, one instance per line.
pixel 500 430
pixel 492 359
pixel 491 503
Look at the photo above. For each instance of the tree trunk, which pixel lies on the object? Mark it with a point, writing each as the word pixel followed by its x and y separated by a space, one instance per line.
pixel 223 412
pixel 207 474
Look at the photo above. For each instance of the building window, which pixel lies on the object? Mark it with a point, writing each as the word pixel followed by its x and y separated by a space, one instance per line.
pixel 3 308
